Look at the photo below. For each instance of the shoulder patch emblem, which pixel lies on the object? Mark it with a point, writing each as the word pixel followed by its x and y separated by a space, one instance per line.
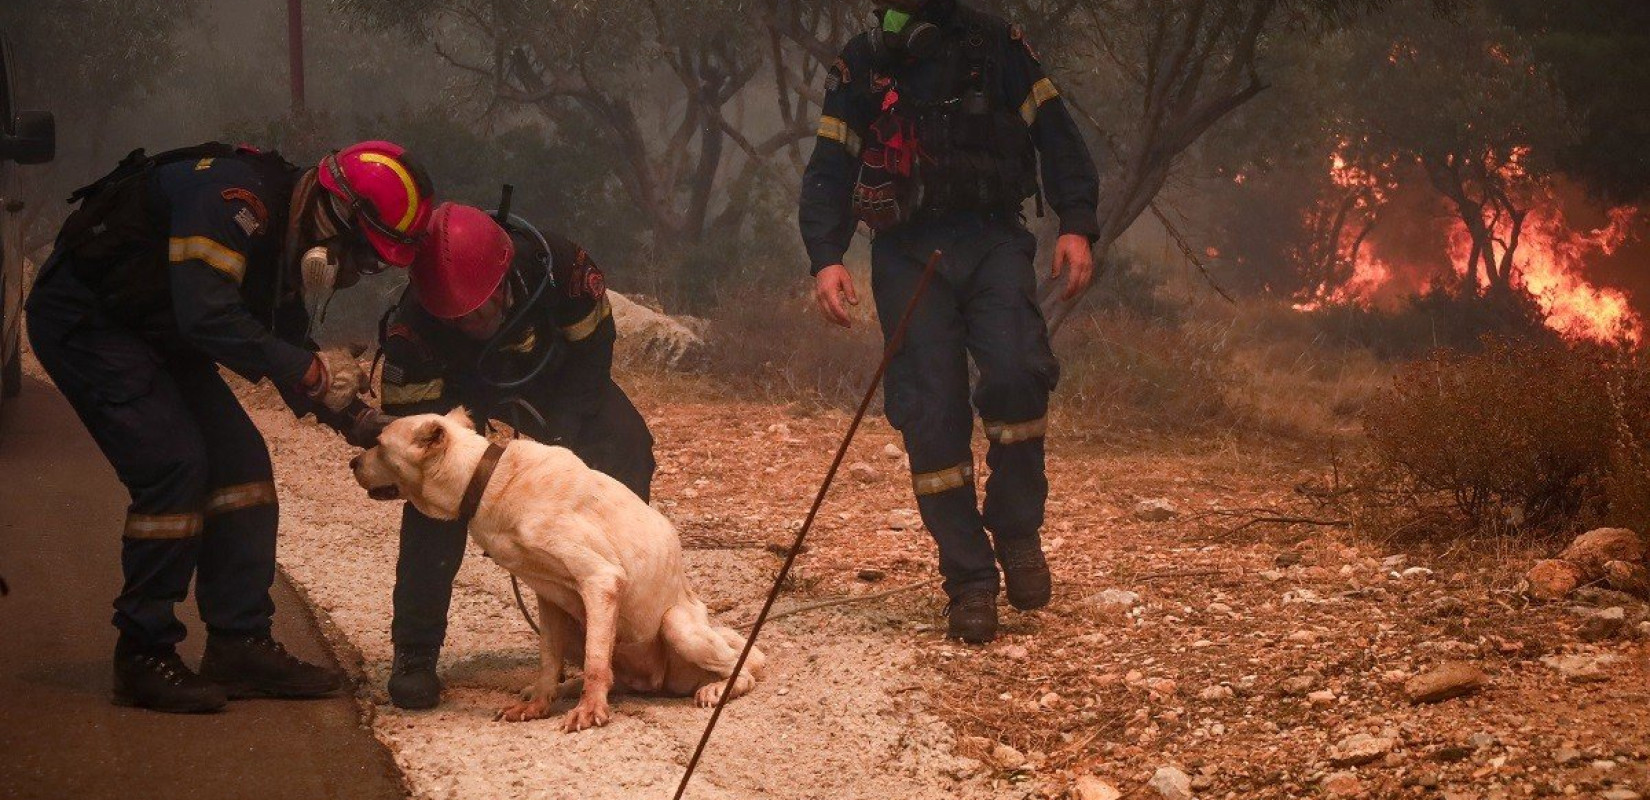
pixel 587 278
pixel 253 216
pixel 837 76
pixel 1018 35
pixel 203 165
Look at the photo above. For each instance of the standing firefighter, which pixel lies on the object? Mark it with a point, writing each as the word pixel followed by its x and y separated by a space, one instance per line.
pixel 173 265
pixel 931 133
pixel 515 325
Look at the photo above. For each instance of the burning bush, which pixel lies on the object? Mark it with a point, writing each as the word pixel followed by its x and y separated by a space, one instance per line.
pixel 1520 436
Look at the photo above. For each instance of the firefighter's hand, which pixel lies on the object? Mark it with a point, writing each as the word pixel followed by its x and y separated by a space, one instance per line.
pixel 334 380
pixel 1074 258
pixel 367 427
pixel 832 286
pixel 358 422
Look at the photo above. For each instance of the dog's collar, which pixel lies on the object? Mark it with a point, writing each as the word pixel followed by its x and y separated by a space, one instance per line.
pixel 478 481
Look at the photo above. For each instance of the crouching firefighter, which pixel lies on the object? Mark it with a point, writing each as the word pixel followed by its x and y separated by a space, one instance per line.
pixel 515 325
pixel 933 126
pixel 173 265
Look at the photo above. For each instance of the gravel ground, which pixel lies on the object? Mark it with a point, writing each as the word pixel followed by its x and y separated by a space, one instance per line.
pixel 841 714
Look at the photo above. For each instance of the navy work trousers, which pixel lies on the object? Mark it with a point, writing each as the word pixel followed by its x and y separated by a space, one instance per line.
pixel 980 305
pixel 202 494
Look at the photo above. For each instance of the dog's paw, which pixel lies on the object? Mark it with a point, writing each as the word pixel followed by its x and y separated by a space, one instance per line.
pixel 708 694
pixel 589 713
pixel 524 711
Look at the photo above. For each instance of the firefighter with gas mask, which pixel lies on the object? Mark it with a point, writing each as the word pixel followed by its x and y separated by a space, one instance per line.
pixel 515 325
pixel 173 265
pixel 933 128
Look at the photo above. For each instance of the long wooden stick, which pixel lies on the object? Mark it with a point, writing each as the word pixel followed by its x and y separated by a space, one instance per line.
pixel 893 347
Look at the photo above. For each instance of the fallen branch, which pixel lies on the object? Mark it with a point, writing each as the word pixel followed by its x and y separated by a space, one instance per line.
pixel 841 601
pixel 1189 573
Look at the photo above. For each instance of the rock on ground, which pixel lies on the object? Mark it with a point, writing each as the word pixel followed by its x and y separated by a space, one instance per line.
pixel 1360 748
pixel 1089 787
pixel 1626 576
pixel 1156 509
pixel 1343 784
pixel 1553 579
pixel 1582 668
pixel 1595 548
pixel 1452 679
pixel 649 335
pixel 1171 783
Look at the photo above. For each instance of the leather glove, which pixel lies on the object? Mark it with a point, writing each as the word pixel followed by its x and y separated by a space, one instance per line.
pixel 360 423
pixel 334 380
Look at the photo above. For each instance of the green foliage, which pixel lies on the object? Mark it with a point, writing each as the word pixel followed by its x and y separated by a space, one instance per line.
pixel 1521 435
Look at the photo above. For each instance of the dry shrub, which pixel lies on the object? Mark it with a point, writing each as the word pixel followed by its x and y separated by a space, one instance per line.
pixel 778 348
pixel 1518 436
pixel 1119 368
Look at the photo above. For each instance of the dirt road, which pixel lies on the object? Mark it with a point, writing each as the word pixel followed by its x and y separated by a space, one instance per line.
pixel 60 510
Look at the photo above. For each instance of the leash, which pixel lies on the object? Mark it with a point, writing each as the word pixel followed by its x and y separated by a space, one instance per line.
pixel 518 404
pixel 888 352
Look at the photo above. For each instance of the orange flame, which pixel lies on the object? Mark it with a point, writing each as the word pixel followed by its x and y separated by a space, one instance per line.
pixel 1550 261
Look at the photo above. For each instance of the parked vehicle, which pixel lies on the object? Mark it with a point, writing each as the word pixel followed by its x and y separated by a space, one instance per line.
pixel 26 137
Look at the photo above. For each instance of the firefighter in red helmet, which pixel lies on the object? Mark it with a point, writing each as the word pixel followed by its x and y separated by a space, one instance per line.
pixel 515 325
pixel 172 266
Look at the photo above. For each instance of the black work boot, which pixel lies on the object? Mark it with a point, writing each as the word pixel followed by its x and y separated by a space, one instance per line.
pixel 973 616
pixel 258 666
pixel 413 682
pixel 159 680
pixel 1025 572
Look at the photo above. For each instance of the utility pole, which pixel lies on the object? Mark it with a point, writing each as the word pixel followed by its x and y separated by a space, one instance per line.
pixel 295 53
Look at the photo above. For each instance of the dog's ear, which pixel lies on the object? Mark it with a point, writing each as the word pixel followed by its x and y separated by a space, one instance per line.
pixel 461 416
pixel 430 435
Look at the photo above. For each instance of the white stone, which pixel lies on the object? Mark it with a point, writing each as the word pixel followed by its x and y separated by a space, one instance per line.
pixel 1157 509
pixel 1216 693
pixel 1088 787
pixel 1360 748
pixel 1172 784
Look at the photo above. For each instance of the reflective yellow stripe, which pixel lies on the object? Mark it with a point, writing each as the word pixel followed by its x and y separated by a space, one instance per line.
pixel 528 341
pixel 239 496
pixel 400 394
pixel 1011 432
pixel 584 327
pixel 1041 92
pixel 223 259
pixel 162 526
pixel 924 483
pixel 837 131
pixel 406 182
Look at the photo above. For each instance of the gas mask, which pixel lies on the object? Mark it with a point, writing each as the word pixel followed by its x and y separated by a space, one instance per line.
pixel 338 259
pixel 899 33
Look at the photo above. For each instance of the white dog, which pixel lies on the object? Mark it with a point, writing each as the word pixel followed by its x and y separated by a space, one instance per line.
pixel 598 558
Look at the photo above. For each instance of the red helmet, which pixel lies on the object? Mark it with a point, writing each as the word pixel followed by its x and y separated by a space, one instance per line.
pixel 462 263
pixel 385 195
